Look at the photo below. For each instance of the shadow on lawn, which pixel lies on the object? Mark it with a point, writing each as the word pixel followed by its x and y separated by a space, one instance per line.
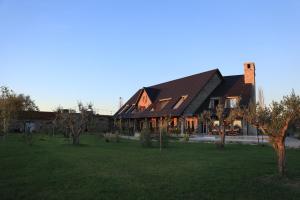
pixel 288 181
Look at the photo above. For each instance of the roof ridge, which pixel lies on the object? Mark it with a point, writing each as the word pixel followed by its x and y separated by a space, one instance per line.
pixel 233 75
pixel 209 71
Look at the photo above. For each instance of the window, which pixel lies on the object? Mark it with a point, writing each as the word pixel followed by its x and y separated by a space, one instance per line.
pixel 124 109
pixel 231 103
pixel 214 102
pixel 131 109
pixel 181 100
pixel 162 104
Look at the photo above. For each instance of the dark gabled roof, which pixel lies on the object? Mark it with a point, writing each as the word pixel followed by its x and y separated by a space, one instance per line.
pixel 234 86
pixel 175 89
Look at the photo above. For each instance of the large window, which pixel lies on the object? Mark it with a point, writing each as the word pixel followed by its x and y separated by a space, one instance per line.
pixel 214 102
pixel 231 103
pixel 179 103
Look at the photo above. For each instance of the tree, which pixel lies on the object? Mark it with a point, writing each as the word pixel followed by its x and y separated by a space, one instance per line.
pixel 225 117
pixel 145 136
pixel 274 122
pixel 27 103
pixel 11 104
pixel 76 123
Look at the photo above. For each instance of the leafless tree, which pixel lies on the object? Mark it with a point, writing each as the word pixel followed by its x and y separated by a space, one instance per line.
pixel 225 117
pixel 76 123
pixel 261 98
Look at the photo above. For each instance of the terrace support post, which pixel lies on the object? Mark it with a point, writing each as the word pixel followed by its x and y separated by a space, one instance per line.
pixel 207 128
pixel 160 136
pixel 134 126
pixel 182 124
pixel 128 126
pixel 146 124
pixel 120 128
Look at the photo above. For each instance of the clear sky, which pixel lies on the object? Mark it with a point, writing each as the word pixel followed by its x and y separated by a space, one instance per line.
pixel 62 51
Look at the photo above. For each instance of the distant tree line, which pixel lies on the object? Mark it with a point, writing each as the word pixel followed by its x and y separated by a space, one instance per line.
pixel 11 104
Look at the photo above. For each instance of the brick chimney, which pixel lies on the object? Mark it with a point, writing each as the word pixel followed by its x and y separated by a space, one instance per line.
pixel 249 78
pixel 249 68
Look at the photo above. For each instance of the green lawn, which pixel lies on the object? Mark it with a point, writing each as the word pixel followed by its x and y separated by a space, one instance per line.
pixel 53 169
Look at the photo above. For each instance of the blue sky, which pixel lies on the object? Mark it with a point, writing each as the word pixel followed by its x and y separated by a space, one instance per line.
pixel 61 51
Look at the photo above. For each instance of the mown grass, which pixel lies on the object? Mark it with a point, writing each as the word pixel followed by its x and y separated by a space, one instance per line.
pixel 54 169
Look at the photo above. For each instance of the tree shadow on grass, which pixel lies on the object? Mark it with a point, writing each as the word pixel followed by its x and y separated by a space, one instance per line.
pixel 287 181
pixel 77 145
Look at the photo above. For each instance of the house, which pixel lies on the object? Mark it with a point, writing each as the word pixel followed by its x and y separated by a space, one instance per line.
pixel 177 104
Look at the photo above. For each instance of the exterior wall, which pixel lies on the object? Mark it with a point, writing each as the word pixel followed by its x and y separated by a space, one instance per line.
pixel 100 123
pixel 41 126
pixel 144 101
pixel 245 129
pixel 249 129
pixel 191 124
pixel 203 95
pixel 178 125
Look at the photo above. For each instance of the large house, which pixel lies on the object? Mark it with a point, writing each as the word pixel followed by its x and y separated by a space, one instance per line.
pixel 177 104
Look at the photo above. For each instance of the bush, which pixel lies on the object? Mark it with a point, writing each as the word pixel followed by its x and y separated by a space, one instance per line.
pixel 112 137
pixel 186 137
pixel 145 138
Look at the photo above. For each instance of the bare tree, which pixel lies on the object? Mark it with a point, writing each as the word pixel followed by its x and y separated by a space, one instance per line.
pixel 261 98
pixel 274 122
pixel 76 123
pixel 225 117
pixel 220 112
pixel 206 118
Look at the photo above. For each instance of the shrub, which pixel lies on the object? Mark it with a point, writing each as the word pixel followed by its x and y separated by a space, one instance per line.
pixel 186 137
pixel 112 137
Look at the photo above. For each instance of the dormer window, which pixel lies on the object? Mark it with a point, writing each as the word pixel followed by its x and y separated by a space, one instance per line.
pixel 179 103
pixel 231 103
pixel 162 104
pixel 214 102
pixel 125 108
pixel 131 109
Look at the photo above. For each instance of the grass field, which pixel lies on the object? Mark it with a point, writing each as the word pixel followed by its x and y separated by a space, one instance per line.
pixel 53 169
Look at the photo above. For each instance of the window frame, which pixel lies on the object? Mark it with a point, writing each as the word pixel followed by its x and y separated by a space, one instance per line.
pixel 181 100
pixel 229 102
pixel 212 100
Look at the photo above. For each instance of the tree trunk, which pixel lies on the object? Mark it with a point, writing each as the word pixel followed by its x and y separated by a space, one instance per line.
pixel 76 139
pixel 222 134
pixel 222 144
pixel 281 156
